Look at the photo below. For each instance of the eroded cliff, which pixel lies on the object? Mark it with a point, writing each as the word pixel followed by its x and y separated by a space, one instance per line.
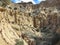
pixel 28 24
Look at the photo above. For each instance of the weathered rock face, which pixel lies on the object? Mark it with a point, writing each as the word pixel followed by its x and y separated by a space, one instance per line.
pixel 9 20
pixel 50 3
pixel 4 3
pixel 30 25
pixel 14 23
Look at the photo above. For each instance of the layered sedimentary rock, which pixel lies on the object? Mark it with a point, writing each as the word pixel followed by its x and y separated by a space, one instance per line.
pixel 13 24
pixel 28 24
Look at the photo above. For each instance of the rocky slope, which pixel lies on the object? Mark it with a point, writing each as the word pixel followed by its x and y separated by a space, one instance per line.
pixel 50 3
pixel 28 24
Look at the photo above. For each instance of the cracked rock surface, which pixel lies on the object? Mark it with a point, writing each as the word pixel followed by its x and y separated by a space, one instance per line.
pixel 29 25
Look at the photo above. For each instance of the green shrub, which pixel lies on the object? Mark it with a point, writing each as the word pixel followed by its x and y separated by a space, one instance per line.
pixel 18 42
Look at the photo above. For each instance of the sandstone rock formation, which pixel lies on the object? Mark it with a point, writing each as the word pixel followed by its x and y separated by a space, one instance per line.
pixel 28 24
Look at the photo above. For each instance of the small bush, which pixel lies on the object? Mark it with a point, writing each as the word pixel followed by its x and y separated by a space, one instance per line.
pixel 18 42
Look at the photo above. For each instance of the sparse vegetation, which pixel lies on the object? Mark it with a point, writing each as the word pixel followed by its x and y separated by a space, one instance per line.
pixel 18 42
pixel 37 26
